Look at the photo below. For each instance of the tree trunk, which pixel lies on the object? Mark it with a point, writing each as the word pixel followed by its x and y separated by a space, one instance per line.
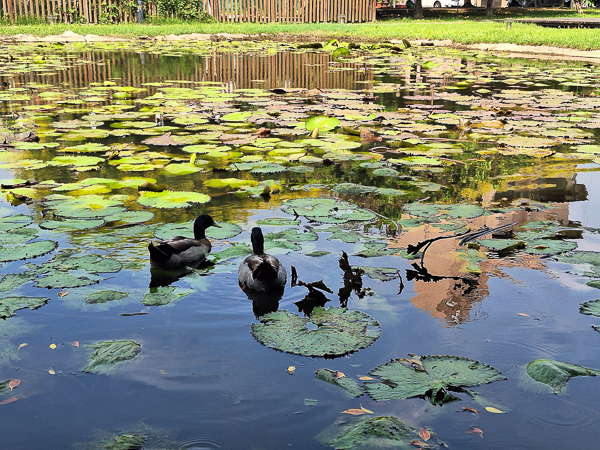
pixel 418 13
pixel 468 4
pixel 488 8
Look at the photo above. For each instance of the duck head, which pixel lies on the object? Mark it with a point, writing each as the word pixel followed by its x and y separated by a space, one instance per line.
pixel 202 222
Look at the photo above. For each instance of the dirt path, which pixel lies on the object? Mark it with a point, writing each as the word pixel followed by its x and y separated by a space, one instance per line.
pixel 507 50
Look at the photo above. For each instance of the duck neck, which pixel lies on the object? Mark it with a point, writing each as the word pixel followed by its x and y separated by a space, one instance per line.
pixel 199 232
pixel 258 242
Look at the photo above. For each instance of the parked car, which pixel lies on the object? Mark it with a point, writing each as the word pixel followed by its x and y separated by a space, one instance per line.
pixel 442 3
pixel 542 3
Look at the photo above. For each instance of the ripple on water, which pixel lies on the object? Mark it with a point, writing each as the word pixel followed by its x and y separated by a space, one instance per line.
pixel 567 415
pixel 198 444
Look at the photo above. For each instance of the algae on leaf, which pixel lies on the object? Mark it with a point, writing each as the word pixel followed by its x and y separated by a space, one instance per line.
pixel 430 377
pixel 336 331
pixel 556 374
pixel 110 353
pixel 375 432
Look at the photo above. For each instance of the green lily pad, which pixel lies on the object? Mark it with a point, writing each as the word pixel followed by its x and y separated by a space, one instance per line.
pixel 12 281
pixel 586 262
pixel 83 207
pixel 381 273
pixel 465 211
pixel 105 296
pixel 9 305
pixel 15 221
pixel 375 433
pixel 72 224
pixel 556 374
pixel 323 123
pixel 65 281
pixel 233 251
pixel 353 188
pixel 171 199
pixel 348 384
pixel 339 331
pixel 25 251
pixel 127 442
pixel 327 210
pixel 375 249
pixel 110 353
pixel 164 295
pixel 430 377
pixel 227 230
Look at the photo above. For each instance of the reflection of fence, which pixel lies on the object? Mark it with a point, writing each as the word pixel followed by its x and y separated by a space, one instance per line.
pixel 306 11
pixel 281 70
pixel 95 11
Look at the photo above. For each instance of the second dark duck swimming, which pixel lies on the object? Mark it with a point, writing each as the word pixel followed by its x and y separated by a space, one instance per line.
pixel 179 250
pixel 260 271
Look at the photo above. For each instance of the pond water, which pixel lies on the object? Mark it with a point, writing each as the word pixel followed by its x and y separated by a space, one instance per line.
pixel 411 144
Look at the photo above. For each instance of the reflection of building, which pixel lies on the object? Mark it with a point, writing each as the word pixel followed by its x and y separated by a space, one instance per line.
pixel 546 190
pixel 454 290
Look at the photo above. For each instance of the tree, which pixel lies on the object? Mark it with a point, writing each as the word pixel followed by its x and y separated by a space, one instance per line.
pixel 488 8
pixel 418 12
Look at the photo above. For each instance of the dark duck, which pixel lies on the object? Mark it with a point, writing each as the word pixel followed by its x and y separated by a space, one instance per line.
pixel 260 271
pixel 179 250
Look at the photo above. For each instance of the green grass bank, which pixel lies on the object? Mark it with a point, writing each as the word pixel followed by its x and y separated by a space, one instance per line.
pixel 458 27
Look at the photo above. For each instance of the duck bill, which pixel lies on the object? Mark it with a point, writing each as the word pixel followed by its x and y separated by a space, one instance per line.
pixel 215 224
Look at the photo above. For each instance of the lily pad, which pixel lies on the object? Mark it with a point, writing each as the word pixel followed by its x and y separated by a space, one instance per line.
pixel 586 262
pixel 171 199
pixel 104 296
pixel 338 332
pixel 430 377
pixel 9 305
pixel 373 433
pixel 110 353
pixel 327 210
pixel 336 378
pixel 323 123
pixel 556 374
pixel 164 295
pixel 25 251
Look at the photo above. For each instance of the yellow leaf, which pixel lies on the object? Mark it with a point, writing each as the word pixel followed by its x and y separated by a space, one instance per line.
pixel 364 377
pixel 24 344
pixel 52 346
pixel 291 369
pixel 424 433
pixel 63 293
pixel 193 158
pixel 338 375
pixel 75 344
pixel 51 372
pixel 368 411
pixel 494 410
pixel 354 412
pixel 523 314
pixel 420 444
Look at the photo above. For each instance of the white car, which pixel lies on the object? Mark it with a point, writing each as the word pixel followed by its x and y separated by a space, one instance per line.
pixel 442 3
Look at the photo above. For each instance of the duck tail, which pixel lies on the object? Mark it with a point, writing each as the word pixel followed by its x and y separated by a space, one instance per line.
pixel 264 272
pixel 158 253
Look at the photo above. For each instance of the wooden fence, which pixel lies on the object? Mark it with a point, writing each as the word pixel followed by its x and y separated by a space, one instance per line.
pixel 306 11
pixel 263 11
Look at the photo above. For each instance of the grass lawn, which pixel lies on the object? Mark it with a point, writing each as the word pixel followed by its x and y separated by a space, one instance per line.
pixel 464 26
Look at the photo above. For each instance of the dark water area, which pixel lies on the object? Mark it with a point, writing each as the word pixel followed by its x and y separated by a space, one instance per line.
pixel 516 138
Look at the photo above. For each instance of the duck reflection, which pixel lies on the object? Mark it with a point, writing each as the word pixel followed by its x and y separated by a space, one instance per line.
pixel 165 277
pixel 264 302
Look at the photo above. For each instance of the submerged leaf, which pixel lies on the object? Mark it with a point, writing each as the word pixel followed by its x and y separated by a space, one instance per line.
pixel 110 353
pixel 9 305
pixel 555 373
pixel 350 385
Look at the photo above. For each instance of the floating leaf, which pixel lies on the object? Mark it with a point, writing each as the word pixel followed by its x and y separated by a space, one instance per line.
pixel 164 295
pixel 110 353
pixel 14 383
pixel 438 375
pixel 323 123
pixel 171 199
pixel 555 373
pixel 104 296
pixel 494 410
pixel 338 332
pixel 348 384
pixel 25 251
pixel 372 433
pixel 9 305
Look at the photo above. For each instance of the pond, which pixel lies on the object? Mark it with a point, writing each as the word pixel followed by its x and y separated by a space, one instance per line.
pixel 355 160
